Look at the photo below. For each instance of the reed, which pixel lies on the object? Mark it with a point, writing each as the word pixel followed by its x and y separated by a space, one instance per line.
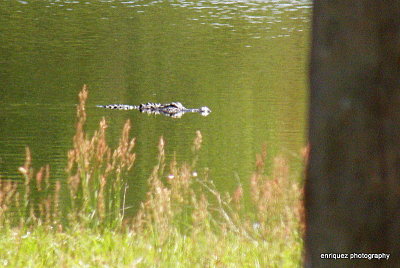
pixel 36 201
pixel 97 173
pixel 96 177
pixel 187 203
pixel 8 191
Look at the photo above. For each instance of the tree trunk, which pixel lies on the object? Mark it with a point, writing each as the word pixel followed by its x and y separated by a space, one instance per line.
pixel 352 194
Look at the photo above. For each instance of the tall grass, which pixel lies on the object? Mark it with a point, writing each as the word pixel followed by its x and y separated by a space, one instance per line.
pixel 34 202
pixel 184 219
pixel 96 173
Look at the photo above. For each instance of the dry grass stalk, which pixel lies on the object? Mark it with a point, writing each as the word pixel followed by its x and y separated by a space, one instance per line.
pixel 276 200
pixel 201 215
pixel 100 200
pixel 175 204
pixel 198 140
pixel 56 203
pixel 155 213
pixel 8 190
pixel 96 173
pixel 96 176
pixel 40 201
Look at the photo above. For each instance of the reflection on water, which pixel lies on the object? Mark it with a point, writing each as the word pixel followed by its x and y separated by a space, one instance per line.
pixel 245 60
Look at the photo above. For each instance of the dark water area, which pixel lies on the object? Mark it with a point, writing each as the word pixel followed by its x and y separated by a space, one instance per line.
pixel 245 60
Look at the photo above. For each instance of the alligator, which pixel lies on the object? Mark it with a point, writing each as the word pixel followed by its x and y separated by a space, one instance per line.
pixel 173 109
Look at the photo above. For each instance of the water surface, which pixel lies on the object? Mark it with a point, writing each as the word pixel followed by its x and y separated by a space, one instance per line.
pixel 246 60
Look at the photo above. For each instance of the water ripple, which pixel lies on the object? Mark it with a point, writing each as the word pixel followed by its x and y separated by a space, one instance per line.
pixel 267 15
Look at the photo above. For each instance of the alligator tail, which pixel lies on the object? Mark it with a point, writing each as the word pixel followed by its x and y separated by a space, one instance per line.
pixel 118 106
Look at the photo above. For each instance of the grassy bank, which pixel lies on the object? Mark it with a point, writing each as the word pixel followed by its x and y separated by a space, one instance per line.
pixel 183 222
pixel 87 247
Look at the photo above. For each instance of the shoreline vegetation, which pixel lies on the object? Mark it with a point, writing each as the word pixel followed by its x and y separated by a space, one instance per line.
pixel 184 220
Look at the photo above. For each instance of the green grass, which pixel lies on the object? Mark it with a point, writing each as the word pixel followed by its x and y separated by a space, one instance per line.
pixel 86 247
pixel 184 221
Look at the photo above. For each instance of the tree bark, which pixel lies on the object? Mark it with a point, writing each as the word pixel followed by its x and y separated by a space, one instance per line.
pixel 352 191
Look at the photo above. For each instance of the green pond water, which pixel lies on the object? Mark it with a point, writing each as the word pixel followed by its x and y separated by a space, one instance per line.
pixel 245 60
